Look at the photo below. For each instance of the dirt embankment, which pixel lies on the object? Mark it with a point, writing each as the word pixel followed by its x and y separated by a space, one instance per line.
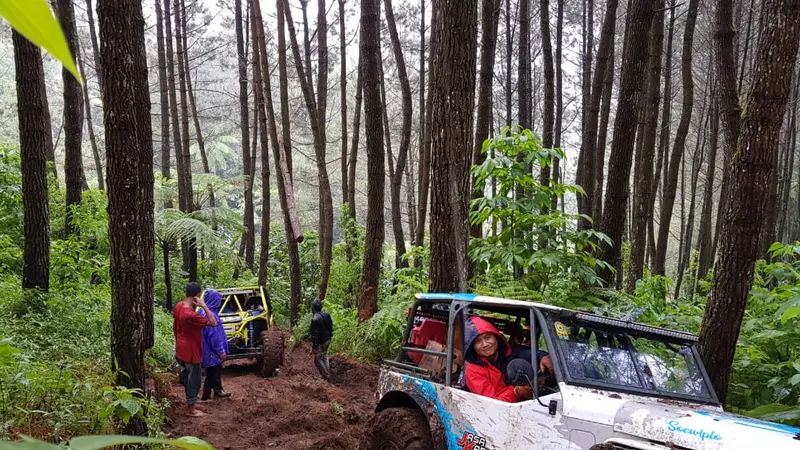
pixel 295 409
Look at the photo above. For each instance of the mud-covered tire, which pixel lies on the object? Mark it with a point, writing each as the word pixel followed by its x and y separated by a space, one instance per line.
pixel 397 429
pixel 272 351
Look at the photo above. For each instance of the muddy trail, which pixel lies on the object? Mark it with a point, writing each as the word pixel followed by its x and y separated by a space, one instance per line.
pixel 295 409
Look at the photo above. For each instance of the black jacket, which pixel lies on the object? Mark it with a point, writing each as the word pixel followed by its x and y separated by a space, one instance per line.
pixel 321 324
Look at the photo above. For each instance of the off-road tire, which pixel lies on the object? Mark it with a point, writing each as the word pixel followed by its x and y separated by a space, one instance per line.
pixel 397 429
pixel 272 350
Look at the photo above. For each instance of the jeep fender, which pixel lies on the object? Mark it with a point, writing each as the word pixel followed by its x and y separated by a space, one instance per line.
pixel 400 399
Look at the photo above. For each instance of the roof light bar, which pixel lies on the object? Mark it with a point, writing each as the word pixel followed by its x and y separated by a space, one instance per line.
pixel 638 327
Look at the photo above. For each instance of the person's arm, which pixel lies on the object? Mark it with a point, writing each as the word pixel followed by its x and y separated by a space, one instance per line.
pixel 190 317
pixel 212 321
pixel 217 337
pixel 478 382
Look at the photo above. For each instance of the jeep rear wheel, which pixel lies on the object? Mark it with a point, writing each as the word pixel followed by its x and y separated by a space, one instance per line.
pixel 397 429
pixel 272 349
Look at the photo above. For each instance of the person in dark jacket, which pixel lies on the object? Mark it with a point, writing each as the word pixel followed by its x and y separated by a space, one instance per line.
pixel 215 349
pixel 487 359
pixel 321 334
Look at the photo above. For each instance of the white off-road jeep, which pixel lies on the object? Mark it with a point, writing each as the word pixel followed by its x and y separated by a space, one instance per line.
pixel 617 385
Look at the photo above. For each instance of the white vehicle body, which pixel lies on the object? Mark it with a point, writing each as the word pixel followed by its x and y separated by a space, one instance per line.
pixel 577 417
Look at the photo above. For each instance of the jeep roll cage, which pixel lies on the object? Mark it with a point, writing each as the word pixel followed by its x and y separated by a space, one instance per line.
pixel 453 309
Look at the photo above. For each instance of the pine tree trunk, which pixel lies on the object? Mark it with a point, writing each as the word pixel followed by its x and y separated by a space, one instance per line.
pixel 98 163
pixel 98 67
pixel 509 50
pixel 405 137
pixel 549 87
pixel 751 165
pixel 190 245
pixel 35 141
pixel 586 172
pixel 679 146
pixel 425 154
pixel 244 117
pixel 373 112
pixel 619 166
pixel 269 133
pixel 343 96
pixel 164 93
pixel 644 180
pixel 317 113
pixel 283 159
pixel 198 131
pixel 525 111
pixel 590 163
pixel 453 114
pixel 602 137
pixel 559 97
pixel 73 119
pixel 705 241
pixel 414 228
pixel 130 190
pixel 352 164
pixel 490 11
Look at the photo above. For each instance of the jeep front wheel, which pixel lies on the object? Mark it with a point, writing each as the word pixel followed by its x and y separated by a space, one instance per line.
pixel 272 348
pixel 397 429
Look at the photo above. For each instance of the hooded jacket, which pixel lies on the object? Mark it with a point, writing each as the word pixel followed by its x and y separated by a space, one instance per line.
pixel 485 377
pixel 215 343
pixel 321 324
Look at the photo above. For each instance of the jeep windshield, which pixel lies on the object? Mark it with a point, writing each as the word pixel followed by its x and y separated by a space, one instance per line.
pixel 640 359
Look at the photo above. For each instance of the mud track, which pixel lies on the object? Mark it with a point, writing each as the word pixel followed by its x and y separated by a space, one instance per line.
pixel 295 409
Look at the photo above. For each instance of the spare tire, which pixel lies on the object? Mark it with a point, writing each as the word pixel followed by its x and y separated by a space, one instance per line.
pixel 272 350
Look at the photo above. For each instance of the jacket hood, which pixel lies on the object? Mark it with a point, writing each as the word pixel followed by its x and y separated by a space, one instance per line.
pixel 213 300
pixel 477 326
pixel 316 306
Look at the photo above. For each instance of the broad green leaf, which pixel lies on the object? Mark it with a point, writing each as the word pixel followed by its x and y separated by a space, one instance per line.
pixel 34 20
pixel 100 442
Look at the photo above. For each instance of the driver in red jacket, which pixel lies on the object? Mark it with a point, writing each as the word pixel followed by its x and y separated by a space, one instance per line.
pixel 488 354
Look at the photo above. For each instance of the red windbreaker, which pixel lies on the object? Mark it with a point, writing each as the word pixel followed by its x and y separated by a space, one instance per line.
pixel 482 377
pixel 188 328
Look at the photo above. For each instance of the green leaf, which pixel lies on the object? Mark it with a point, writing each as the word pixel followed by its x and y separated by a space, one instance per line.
pixel 100 442
pixel 34 20
pixel 131 405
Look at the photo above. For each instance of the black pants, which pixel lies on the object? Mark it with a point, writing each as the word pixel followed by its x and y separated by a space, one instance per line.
pixel 213 381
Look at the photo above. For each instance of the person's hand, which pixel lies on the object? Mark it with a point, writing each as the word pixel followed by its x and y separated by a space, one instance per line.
pixel 200 302
pixel 546 365
pixel 524 392
pixel 223 357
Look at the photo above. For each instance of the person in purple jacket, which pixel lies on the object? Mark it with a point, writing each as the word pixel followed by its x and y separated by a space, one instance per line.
pixel 215 349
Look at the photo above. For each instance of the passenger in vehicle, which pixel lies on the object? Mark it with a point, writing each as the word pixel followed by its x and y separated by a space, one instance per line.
pixel 487 357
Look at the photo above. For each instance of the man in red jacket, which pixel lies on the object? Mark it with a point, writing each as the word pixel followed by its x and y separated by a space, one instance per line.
pixel 188 326
pixel 488 354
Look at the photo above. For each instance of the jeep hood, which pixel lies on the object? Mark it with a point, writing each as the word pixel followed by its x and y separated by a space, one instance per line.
pixel 702 430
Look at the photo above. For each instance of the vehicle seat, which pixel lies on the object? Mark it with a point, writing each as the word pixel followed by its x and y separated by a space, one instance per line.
pixel 427 330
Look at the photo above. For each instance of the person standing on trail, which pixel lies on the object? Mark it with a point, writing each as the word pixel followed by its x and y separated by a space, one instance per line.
pixel 321 334
pixel 188 326
pixel 215 349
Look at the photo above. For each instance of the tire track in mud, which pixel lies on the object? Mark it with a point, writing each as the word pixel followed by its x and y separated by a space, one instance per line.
pixel 295 409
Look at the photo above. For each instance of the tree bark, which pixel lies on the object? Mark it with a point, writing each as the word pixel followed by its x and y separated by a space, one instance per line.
pixel 524 115
pixel 548 115
pixel 98 163
pixel 405 138
pixel 602 137
pixel 751 165
pixel 704 239
pixel 35 141
pixel 425 154
pixel 559 97
pixel 617 189
pixel 414 228
pixel 353 156
pixel 586 175
pixel 590 164
pixel 490 16
pixel 130 187
pixel 73 119
pixel 509 50
pixel 373 112
pixel 343 96
pixel 248 233
pixel 164 97
pixel 190 246
pixel 644 180
pixel 679 146
pixel 285 181
pixel 453 114
pixel 198 131
pixel 317 114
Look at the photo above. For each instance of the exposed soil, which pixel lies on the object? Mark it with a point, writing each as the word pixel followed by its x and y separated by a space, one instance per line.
pixel 295 409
